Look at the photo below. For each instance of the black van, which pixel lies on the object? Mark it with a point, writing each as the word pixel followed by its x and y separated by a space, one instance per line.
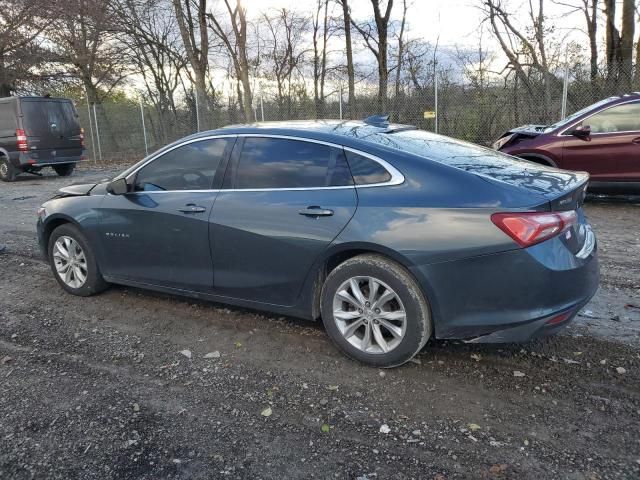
pixel 37 132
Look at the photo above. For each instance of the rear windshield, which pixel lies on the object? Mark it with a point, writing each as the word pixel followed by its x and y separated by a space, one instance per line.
pixel 478 160
pixel 43 117
pixel 449 151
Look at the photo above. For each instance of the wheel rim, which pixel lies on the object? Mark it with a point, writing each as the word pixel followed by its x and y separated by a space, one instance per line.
pixel 70 262
pixel 4 170
pixel 370 315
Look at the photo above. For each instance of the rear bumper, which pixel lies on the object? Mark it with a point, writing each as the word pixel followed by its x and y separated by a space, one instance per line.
pixel 29 160
pixel 509 296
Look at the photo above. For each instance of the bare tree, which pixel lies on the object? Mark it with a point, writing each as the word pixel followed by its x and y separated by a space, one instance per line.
pixel 21 52
pixel 626 42
pixel 589 9
pixel 619 43
pixel 320 39
pixel 526 53
pixel 191 16
pixel 283 51
pixel 376 38
pixel 154 46
pixel 85 39
pixel 400 54
pixel 233 35
pixel 346 16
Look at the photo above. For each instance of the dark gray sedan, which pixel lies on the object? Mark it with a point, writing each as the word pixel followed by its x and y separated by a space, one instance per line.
pixel 390 234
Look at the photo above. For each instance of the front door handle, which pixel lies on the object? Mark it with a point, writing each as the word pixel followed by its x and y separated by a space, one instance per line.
pixel 315 211
pixel 636 141
pixel 192 208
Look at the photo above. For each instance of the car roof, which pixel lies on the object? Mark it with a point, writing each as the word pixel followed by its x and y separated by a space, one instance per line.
pixel 32 97
pixel 346 132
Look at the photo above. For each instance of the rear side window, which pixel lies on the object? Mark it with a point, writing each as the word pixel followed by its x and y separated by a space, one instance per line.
pixel 8 117
pixel 284 163
pixel 366 171
pixel 42 117
pixel 621 118
pixel 189 167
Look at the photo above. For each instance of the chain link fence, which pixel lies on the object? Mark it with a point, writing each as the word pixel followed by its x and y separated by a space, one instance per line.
pixel 126 132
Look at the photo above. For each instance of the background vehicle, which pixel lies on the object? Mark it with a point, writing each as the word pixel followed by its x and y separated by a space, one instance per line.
pixel 390 234
pixel 602 139
pixel 38 132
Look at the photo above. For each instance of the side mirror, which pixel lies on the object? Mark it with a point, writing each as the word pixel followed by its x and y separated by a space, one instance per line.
pixel 581 131
pixel 118 187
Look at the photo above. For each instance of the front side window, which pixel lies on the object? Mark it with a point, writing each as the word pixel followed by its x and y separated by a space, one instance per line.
pixel 621 118
pixel 188 167
pixel 284 163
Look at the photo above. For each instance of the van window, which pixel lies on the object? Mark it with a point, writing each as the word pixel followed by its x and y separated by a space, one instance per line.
pixel 8 116
pixel 45 117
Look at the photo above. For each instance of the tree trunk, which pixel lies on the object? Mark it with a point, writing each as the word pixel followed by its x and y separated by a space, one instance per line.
pixel 626 42
pixel 612 41
pixel 352 111
pixel 592 28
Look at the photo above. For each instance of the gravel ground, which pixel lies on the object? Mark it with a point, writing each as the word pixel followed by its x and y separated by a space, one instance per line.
pixel 119 386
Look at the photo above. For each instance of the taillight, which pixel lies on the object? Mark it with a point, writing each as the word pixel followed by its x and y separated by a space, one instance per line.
pixel 529 228
pixel 82 137
pixel 21 138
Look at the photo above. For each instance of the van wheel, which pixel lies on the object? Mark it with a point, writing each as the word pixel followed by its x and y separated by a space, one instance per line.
pixel 64 169
pixel 375 312
pixel 7 170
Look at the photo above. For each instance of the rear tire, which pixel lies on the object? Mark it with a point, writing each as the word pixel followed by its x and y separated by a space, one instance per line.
pixel 64 169
pixel 8 172
pixel 69 248
pixel 387 303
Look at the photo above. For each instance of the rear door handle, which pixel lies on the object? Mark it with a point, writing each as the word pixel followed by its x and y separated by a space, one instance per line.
pixel 315 211
pixel 192 208
pixel 636 141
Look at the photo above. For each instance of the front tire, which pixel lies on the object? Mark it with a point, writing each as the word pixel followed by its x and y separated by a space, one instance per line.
pixel 73 262
pixel 64 169
pixel 8 172
pixel 375 312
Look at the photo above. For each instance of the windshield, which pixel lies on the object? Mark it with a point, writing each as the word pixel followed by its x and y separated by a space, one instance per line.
pixel 578 114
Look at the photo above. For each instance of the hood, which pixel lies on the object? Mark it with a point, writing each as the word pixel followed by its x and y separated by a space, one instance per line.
pixel 529 130
pixel 76 190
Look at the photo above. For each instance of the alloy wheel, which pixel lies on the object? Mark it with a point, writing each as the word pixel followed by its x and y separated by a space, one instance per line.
pixel 70 262
pixel 369 314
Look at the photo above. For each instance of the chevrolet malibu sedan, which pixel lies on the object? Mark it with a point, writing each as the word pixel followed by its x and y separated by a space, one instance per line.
pixel 389 234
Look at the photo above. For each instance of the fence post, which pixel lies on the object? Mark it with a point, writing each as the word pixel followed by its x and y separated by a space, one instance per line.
pixel 95 119
pixel 340 103
pixel 197 113
pixel 144 130
pixel 262 107
pixel 565 87
pixel 93 142
pixel 435 86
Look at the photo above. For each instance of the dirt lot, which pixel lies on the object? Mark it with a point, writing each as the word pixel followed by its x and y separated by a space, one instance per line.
pixel 99 388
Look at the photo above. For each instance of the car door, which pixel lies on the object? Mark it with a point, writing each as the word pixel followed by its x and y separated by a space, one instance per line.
pixel 612 151
pixel 284 202
pixel 158 233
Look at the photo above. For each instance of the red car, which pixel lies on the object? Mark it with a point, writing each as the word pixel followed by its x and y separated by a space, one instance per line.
pixel 602 139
